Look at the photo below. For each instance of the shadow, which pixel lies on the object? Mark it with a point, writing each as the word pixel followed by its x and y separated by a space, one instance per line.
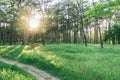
pixel 13 55
pixel 12 52
pixel 7 49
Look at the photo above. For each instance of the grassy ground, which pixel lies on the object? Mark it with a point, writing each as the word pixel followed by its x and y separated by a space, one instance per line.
pixel 69 61
pixel 9 72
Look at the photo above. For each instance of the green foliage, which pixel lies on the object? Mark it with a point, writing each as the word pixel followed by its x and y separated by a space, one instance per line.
pixel 99 10
pixel 9 72
pixel 74 62
pixel 113 34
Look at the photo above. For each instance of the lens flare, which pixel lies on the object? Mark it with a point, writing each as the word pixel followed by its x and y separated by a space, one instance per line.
pixel 33 23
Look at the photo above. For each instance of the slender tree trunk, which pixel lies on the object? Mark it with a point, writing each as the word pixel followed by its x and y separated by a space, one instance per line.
pixel 43 40
pixel 101 40
pixel 69 36
pixel 25 37
pixel 85 38
pixel 4 41
pixel 90 36
pixel 109 27
pixel 81 16
pixel 11 34
pixel 75 36
pixel 96 32
pixel 113 40
pixel 87 33
pixel 84 35
pixel 66 34
pixel 56 36
pixel 118 40
pixel 7 35
pixel 0 33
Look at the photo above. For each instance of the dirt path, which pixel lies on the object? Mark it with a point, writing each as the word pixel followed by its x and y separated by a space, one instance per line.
pixel 39 74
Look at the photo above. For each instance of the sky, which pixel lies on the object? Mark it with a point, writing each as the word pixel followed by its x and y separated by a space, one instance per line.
pixel 93 0
pixel 56 1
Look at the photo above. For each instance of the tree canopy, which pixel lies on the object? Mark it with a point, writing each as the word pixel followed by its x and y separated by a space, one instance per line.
pixel 68 21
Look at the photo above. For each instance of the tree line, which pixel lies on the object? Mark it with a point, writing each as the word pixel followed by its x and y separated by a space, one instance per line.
pixel 62 21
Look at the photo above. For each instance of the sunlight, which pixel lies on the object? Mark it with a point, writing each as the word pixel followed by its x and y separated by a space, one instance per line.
pixel 33 23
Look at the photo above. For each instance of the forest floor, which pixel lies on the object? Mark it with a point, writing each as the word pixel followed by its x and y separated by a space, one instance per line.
pixel 68 61
pixel 39 74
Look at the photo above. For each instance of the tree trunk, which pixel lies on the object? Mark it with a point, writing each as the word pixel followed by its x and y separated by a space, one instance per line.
pixel 4 34
pixel 85 38
pixel 25 37
pixel 66 34
pixel 118 40
pixel 0 33
pixel 109 27
pixel 96 32
pixel 90 36
pixel 101 40
pixel 56 36
pixel 84 35
pixel 75 36
pixel 113 40
pixel 81 18
pixel 69 36
pixel 43 39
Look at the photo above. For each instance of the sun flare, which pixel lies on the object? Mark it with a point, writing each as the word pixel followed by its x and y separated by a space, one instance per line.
pixel 33 23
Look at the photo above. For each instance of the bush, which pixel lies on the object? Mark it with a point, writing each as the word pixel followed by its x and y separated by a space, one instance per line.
pixel 113 34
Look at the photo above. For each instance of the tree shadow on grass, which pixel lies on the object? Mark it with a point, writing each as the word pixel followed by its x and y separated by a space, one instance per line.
pixel 60 71
pixel 7 49
pixel 16 52
pixel 12 52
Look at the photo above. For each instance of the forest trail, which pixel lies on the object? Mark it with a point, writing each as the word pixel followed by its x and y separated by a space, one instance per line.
pixel 39 74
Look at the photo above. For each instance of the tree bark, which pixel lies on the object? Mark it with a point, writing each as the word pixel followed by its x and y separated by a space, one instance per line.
pixel 0 33
pixel 75 36
pixel 96 32
pixel 101 40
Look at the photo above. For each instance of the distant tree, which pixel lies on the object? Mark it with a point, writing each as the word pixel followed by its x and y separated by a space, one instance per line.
pixel 113 34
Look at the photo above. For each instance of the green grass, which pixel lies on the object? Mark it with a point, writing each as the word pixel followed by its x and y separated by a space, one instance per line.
pixel 69 61
pixel 12 72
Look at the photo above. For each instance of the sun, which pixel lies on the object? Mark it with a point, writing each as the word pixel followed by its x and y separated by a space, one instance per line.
pixel 33 23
